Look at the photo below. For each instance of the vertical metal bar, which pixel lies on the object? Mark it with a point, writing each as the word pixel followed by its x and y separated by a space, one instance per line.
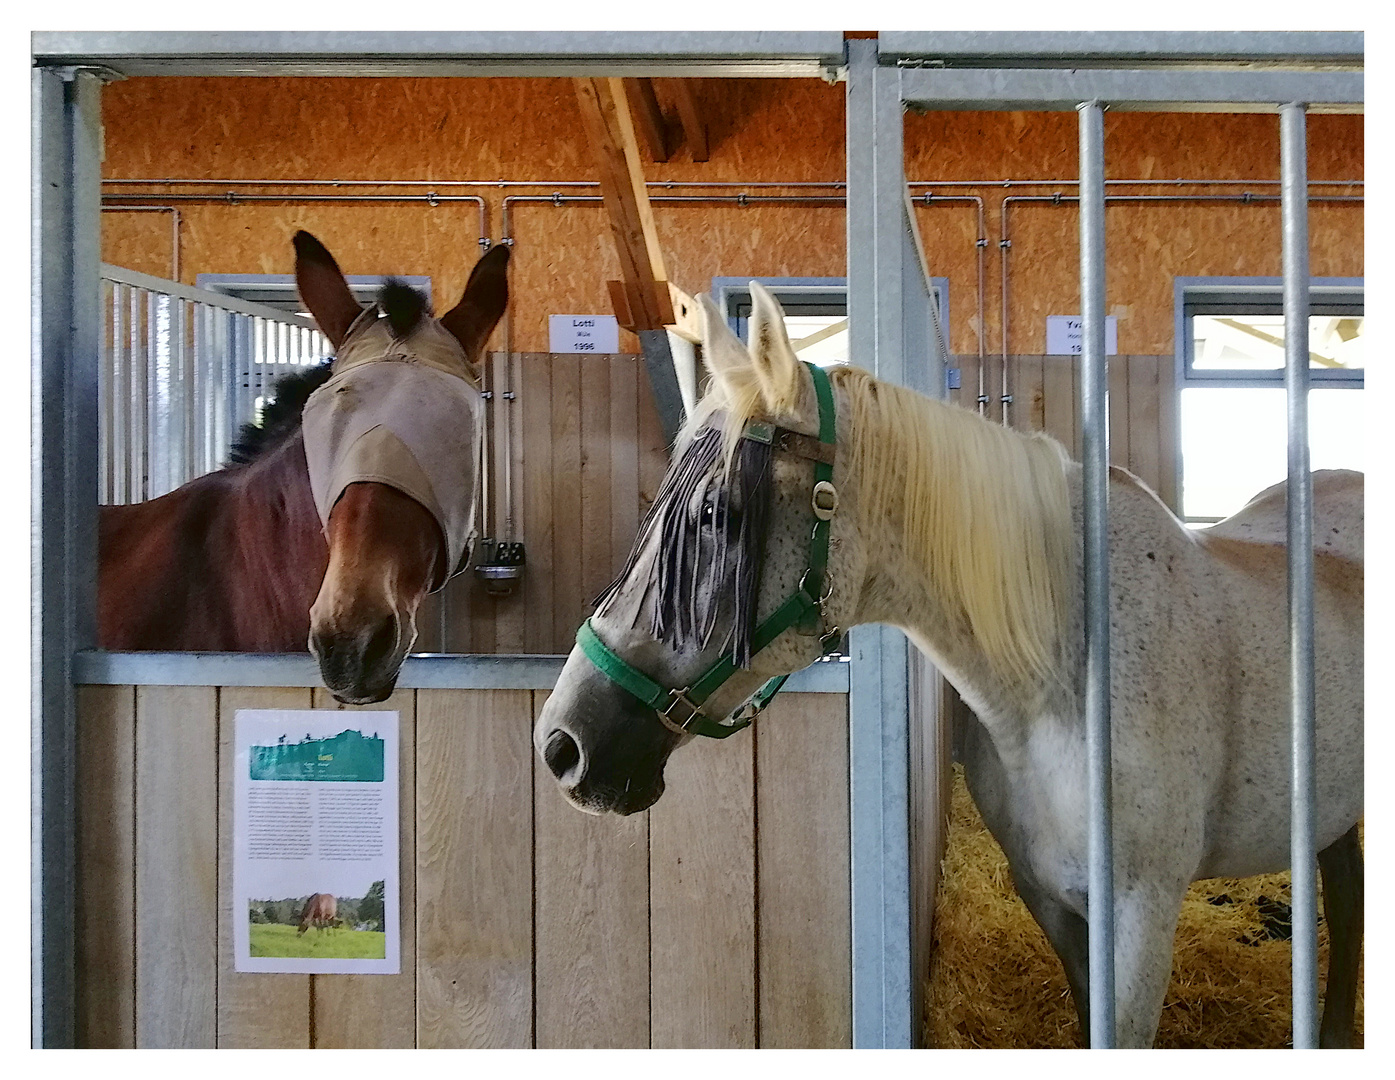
pixel 1293 153
pixel 878 698
pixel 140 395
pixel 117 440
pixel 106 392
pixel 65 328
pixel 1094 416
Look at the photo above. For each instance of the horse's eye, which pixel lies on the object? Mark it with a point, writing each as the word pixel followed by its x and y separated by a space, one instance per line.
pixel 708 513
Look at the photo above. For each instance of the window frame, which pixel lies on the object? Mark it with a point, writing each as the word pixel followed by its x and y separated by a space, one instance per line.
pixel 803 294
pixel 1247 295
pixel 276 290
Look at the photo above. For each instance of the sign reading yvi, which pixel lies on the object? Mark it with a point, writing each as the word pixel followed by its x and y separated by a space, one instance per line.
pixel 348 756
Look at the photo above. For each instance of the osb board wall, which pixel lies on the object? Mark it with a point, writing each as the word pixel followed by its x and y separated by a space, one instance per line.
pixel 761 131
pixel 710 920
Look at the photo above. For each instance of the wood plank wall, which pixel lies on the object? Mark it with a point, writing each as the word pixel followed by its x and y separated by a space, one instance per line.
pixel 588 458
pixel 524 922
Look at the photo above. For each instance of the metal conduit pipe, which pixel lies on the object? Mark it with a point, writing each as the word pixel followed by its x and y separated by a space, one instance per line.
pixel 486 183
pixel 236 198
pixel 981 244
pixel 171 210
pixel 1057 199
pixel 1002 183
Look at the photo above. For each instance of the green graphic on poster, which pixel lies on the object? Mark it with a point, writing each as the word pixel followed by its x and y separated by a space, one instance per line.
pixel 348 756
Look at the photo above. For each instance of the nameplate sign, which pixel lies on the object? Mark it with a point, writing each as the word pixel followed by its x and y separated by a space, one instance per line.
pixel 1065 333
pixel 583 333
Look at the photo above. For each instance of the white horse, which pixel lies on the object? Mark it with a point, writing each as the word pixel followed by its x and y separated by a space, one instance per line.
pixel 967 536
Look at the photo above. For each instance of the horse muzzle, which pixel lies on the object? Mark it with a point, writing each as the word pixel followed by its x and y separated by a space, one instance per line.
pixel 360 667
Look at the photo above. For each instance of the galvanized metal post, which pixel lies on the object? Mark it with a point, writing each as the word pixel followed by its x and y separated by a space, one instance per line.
pixel 1293 153
pixel 65 339
pixel 879 687
pixel 1094 415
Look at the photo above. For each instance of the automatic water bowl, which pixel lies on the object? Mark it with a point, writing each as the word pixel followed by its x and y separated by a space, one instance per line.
pixel 500 566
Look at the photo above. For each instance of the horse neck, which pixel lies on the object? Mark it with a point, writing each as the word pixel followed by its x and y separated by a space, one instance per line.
pixel 279 546
pixel 967 531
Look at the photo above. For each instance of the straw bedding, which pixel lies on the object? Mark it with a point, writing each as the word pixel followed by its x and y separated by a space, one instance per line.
pixel 994 981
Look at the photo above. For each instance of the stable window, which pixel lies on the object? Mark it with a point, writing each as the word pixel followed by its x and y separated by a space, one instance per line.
pixel 816 312
pixel 261 360
pixel 1232 424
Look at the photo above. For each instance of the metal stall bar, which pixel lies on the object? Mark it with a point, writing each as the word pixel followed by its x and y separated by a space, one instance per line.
pixel 65 328
pixel 878 697
pixel 1293 153
pixel 633 54
pixel 1094 417
pixel 1145 90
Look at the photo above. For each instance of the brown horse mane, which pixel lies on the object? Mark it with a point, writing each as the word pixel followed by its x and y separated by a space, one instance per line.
pixel 281 415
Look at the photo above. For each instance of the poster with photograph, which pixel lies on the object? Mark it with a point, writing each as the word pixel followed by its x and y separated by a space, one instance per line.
pixel 315 827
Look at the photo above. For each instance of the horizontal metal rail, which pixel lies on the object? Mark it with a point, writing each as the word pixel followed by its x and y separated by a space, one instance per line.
pixel 1074 48
pixel 481 53
pixel 1146 90
pixel 420 671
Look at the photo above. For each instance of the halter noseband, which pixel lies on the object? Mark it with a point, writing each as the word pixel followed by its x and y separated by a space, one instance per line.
pixel 804 608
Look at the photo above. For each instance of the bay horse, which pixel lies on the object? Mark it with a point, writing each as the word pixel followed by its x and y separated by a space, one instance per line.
pixel 330 536
pixel 802 502
pixel 319 912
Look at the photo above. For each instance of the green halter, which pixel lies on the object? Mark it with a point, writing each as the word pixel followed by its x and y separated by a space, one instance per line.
pixel 803 609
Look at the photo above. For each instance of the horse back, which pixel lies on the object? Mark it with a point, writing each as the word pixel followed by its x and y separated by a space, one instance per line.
pixel 1339 511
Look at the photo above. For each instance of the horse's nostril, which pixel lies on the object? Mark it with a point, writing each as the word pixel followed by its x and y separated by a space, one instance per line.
pixel 561 753
pixel 381 645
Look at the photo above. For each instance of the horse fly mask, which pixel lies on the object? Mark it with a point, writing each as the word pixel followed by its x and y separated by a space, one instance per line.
pixel 405 412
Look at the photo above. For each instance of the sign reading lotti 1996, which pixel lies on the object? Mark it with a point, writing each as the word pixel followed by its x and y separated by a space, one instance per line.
pixel 583 334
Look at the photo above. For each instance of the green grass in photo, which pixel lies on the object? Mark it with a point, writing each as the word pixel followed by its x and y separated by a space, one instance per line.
pixel 272 939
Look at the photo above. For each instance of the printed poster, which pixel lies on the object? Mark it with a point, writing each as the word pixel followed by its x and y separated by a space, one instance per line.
pixel 315 828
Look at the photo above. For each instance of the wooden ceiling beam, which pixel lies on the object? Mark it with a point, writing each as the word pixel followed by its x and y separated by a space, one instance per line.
pixel 606 117
pixel 694 126
pixel 649 118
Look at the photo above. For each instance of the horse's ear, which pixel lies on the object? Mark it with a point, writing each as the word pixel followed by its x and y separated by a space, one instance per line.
pixel 722 352
pixel 482 304
pixel 323 288
pixel 773 359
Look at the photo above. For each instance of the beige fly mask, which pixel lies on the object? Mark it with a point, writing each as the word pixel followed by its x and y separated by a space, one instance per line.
pixel 405 412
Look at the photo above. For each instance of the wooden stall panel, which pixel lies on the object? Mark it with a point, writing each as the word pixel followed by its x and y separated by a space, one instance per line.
pixel 592 919
pixel 177 923
pixel 255 1009
pixel 702 889
pixel 378 1010
pixel 106 849
pixel 805 946
pixel 1145 429
pixel 474 868
pixel 1059 382
pixel 567 584
pixel 535 438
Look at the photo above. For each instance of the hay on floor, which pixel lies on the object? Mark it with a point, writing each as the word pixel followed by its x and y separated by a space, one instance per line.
pixel 994 981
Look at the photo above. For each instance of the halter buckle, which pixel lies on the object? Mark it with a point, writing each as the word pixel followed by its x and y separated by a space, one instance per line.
pixel 677 698
pixel 825 500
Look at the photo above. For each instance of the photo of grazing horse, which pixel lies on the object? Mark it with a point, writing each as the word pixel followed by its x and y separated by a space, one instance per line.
pixel 319 913
pixel 801 502
pixel 353 499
